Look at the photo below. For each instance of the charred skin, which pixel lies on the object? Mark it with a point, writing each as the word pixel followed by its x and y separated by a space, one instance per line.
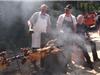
pixel 28 55
pixel 3 60
pixel 33 56
pixel 39 54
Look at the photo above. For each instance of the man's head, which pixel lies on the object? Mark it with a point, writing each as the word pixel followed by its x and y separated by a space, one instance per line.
pixel 80 19
pixel 68 9
pixel 44 8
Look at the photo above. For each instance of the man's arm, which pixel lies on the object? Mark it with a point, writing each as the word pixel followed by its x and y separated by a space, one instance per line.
pixel 59 23
pixel 30 25
pixel 31 22
pixel 74 23
pixel 49 24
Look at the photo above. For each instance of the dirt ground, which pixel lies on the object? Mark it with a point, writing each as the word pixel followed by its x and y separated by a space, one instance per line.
pixel 96 71
pixel 78 70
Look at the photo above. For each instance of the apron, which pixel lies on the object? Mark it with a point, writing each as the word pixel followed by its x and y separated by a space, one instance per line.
pixel 68 26
pixel 40 27
pixel 73 53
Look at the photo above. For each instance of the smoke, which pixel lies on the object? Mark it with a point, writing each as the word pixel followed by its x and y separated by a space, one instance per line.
pixel 8 12
pixel 13 21
pixel 12 10
pixel 57 64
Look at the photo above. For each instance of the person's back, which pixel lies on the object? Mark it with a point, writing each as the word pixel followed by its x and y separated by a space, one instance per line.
pixel 89 20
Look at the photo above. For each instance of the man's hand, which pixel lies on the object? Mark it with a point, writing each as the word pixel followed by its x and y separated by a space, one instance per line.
pixel 30 27
pixel 31 31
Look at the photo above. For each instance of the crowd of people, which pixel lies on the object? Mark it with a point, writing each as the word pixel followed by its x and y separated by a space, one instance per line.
pixel 40 26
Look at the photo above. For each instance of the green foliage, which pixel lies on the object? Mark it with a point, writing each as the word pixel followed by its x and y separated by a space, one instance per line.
pixel 89 6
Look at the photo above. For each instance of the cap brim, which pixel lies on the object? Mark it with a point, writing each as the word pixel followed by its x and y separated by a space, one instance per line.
pixel 66 8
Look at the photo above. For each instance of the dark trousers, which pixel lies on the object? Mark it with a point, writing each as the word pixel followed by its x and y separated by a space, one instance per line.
pixel 87 57
pixel 85 53
pixel 93 48
pixel 45 37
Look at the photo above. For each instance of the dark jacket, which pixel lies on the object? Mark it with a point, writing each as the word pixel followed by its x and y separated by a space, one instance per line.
pixel 81 29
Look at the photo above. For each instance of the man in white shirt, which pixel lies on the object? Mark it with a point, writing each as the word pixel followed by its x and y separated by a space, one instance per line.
pixel 68 39
pixel 66 26
pixel 39 23
pixel 66 22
